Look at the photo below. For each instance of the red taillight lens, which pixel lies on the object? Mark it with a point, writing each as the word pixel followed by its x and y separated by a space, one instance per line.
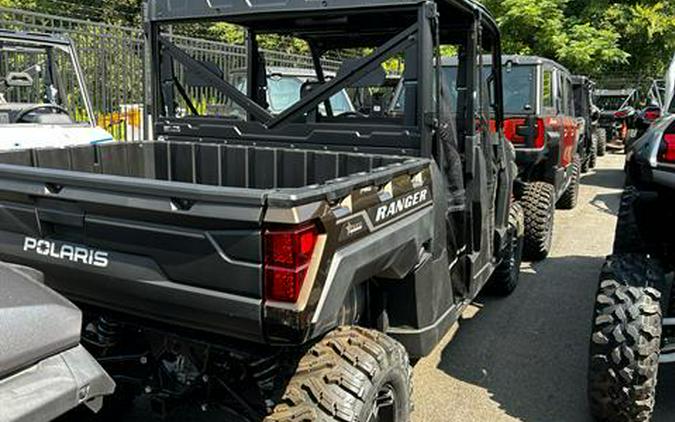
pixel 541 134
pixel 288 253
pixel 668 148
pixel 511 130
pixel 652 115
pixel 516 131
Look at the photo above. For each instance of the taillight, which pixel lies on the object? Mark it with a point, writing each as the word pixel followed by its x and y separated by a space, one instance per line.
pixel 511 130
pixel 518 130
pixel 652 115
pixel 288 254
pixel 667 152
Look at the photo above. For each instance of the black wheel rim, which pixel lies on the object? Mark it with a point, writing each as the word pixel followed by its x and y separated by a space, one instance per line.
pixel 384 406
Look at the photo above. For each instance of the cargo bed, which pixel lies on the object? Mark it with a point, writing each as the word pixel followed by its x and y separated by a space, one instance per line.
pixel 179 223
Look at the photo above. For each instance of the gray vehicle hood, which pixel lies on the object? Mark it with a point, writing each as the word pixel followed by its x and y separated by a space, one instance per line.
pixel 35 322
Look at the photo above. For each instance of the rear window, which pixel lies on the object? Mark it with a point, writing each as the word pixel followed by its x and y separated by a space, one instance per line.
pixel 284 91
pixel 518 89
pixel 610 102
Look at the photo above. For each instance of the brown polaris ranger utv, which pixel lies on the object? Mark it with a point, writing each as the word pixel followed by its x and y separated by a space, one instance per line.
pixel 282 266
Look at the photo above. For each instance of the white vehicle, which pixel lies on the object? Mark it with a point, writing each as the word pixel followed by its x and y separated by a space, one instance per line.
pixel 43 98
pixel 285 85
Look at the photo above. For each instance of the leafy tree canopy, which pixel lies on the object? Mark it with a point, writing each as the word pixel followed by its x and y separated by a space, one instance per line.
pixel 592 37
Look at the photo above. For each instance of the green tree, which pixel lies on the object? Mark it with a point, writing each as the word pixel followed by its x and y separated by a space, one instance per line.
pixel 594 37
pixel 647 33
pixel 547 28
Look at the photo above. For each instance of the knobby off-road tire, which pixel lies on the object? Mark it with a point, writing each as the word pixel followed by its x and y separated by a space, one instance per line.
pixel 507 274
pixel 586 165
pixel 539 205
pixel 345 376
pixel 602 142
pixel 593 159
pixel 625 340
pixel 627 238
pixel 570 198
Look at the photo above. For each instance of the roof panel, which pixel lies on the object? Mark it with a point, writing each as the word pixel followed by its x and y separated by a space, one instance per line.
pixel 329 23
pixel 160 10
pixel 518 60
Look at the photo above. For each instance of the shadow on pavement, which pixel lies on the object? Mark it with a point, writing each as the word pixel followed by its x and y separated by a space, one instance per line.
pixel 605 203
pixel 529 350
pixel 604 178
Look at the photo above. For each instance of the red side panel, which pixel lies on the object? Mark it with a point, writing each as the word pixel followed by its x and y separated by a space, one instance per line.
pixel 569 136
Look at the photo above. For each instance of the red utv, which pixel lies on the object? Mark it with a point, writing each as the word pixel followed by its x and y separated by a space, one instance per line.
pixel 540 123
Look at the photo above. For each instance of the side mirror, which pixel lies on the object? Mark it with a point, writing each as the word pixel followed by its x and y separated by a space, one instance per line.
pixel 18 79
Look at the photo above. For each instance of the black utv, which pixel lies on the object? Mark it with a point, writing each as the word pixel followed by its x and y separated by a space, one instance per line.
pixel 282 266
pixel 617 110
pixel 587 115
pixel 634 318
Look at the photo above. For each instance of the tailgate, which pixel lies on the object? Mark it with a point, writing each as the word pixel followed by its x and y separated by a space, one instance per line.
pixel 179 253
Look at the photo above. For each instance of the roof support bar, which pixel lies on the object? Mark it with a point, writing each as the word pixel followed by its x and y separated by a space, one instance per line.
pixel 216 81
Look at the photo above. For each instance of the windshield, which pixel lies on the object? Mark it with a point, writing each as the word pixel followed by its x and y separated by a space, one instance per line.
pixel 518 89
pixel 284 91
pixel 39 84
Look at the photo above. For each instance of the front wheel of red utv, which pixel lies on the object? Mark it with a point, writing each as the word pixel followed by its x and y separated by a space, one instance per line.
pixel 602 142
pixel 592 160
pixel 569 198
pixel 539 205
pixel 353 374
pixel 505 278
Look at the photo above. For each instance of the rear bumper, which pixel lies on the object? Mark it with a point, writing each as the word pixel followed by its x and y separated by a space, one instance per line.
pixel 529 157
pixel 538 165
pixel 53 387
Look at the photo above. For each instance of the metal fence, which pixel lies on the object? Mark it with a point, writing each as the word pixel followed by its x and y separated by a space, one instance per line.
pixel 112 58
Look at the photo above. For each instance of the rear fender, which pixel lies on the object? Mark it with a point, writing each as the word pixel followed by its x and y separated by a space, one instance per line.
pixel 391 252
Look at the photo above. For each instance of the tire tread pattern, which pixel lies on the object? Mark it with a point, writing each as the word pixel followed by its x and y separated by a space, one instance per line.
pixel 334 378
pixel 627 237
pixel 626 339
pixel 570 198
pixel 503 282
pixel 539 205
pixel 602 142
pixel 593 159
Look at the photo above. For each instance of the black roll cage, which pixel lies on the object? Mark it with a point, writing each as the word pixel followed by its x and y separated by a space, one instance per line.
pixel 412 134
